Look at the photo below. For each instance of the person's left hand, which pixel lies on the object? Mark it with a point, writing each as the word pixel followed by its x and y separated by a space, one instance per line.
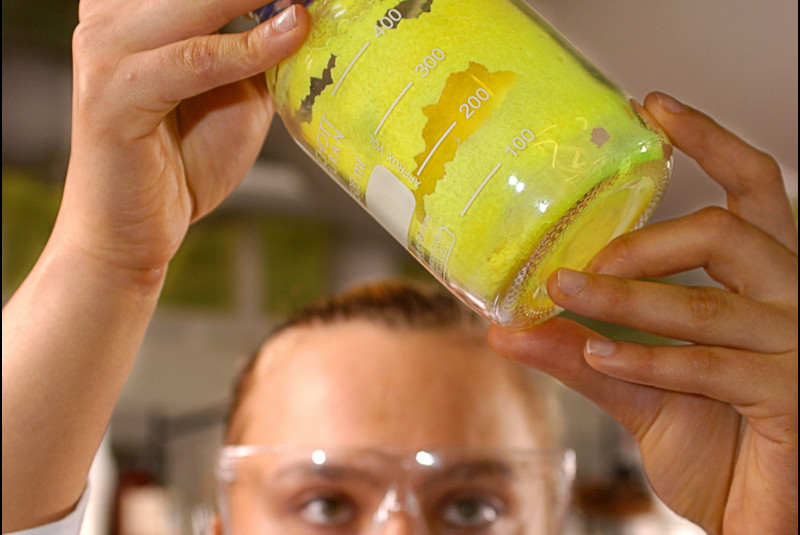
pixel 716 419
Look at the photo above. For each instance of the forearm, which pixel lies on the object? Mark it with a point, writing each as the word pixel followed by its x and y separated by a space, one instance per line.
pixel 168 116
pixel 70 336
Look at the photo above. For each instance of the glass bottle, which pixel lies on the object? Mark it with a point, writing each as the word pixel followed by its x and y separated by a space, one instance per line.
pixel 476 135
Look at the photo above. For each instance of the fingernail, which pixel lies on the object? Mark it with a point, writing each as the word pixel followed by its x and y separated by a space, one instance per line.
pixel 571 282
pixel 286 20
pixel 669 103
pixel 600 347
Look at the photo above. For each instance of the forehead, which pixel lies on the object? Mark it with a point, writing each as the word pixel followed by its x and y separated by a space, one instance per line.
pixel 361 383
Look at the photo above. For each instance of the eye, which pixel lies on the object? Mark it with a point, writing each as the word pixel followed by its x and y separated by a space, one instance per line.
pixel 328 511
pixel 471 511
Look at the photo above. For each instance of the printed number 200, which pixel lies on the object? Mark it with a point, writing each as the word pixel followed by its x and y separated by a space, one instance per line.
pixel 474 102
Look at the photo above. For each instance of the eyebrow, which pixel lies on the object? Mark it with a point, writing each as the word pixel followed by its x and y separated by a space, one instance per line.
pixel 328 471
pixel 476 468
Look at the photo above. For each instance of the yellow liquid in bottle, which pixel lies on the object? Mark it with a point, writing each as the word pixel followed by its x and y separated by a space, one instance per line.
pixel 484 143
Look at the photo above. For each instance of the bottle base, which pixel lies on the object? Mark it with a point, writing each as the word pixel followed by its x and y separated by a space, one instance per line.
pixel 616 205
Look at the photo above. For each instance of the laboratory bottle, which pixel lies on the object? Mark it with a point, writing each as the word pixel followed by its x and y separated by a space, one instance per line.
pixel 476 135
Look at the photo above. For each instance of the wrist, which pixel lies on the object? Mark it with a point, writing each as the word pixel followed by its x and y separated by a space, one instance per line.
pixel 129 227
pixel 84 265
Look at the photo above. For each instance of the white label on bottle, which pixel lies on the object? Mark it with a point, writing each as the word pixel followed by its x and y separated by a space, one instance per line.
pixel 390 202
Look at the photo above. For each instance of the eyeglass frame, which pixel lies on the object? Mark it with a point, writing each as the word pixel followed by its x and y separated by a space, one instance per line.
pixel 561 461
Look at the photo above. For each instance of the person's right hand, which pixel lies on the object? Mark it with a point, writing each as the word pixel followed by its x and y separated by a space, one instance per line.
pixel 167 119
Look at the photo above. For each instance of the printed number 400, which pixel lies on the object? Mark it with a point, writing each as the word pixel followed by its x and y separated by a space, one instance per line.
pixel 388 22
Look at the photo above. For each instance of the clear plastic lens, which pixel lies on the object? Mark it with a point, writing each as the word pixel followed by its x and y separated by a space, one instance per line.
pixel 462 491
pixel 494 158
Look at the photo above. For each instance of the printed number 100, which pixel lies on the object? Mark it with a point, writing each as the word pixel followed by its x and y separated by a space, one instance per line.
pixel 520 143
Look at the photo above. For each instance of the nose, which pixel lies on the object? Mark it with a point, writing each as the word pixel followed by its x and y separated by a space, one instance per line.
pixel 402 523
pixel 399 514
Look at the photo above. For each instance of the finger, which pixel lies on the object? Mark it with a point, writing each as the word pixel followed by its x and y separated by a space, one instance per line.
pixel 714 239
pixel 159 79
pixel 702 315
pixel 556 347
pixel 751 178
pixel 158 23
pixel 729 375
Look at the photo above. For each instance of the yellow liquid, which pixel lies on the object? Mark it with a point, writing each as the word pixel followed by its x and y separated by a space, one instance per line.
pixel 483 143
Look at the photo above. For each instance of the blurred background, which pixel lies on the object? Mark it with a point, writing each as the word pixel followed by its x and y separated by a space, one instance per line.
pixel 289 235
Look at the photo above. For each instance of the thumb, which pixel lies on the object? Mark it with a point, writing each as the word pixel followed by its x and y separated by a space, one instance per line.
pixel 178 71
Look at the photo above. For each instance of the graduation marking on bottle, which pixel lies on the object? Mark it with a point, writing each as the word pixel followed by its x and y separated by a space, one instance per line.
pixel 350 66
pixel 436 146
pixel 480 188
pixel 392 107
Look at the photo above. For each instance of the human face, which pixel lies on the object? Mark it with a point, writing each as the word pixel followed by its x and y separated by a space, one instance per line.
pixel 357 428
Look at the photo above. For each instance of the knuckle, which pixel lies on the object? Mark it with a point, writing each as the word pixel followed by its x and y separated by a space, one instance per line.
pixel 647 364
pixel 86 93
pixel 250 47
pixel 81 39
pixel 620 255
pixel 707 309
pixel 614 296
pixel 94 66
pixel 199 58
pixel 760 168
pixel 251 53
pixel 625 298
pixel 93 38
pixel 706 361
pixel 623 248
pixel 721 222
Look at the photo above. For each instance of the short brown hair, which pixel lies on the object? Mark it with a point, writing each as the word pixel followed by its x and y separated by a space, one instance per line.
pixel 394 304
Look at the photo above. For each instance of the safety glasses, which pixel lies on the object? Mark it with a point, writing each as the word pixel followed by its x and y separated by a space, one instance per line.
pixel 296 491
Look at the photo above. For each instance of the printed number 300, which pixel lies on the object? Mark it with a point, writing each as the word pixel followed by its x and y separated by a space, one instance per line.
pixel 430 62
